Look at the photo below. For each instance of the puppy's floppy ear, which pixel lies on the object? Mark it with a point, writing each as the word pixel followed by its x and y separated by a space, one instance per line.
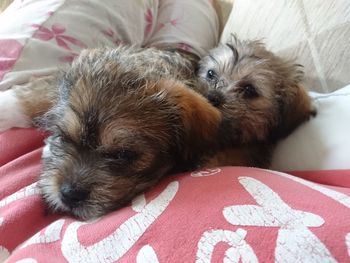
pixel 200 119
pixel 295 108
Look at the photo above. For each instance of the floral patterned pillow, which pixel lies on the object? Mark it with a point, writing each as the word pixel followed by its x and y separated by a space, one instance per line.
pixel 37 37
pixel 40 35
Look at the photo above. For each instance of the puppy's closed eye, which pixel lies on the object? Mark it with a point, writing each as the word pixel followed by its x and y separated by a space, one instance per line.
pixel 121 155
pixel 62 136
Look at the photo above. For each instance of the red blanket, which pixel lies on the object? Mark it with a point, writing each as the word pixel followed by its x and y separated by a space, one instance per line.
pixel 227 213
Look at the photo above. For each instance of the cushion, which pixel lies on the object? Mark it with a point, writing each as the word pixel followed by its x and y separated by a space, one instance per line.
pixel 38 37
pixel 316 33
pixel 323 143
pixel 236 214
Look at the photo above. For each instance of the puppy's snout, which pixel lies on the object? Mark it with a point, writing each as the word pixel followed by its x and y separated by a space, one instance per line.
pixel 71 194
pixel 216 98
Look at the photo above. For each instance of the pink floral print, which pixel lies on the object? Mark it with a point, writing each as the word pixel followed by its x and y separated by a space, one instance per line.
pixel 149 21
pixel 171 23
pixel 9 52
pixel 174 22
pixel 56 32
pixel 69 58
pixel 184 46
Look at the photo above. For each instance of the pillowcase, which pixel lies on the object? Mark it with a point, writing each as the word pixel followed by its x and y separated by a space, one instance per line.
pixel 39 36
pixel 323 142
pixel 316 33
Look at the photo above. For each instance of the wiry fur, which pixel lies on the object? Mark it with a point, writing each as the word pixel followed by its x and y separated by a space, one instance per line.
pixel 122 119
pixel 260 95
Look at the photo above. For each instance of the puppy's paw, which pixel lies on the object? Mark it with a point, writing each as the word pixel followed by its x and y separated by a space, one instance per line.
pixel 11 113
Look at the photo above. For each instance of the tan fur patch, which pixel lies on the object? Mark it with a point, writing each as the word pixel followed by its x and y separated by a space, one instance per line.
pixel 71 124
pixel 300 109
pixel 229 157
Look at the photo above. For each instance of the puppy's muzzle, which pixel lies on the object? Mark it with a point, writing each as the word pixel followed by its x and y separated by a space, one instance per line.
pixel 216 98
pixel 72 195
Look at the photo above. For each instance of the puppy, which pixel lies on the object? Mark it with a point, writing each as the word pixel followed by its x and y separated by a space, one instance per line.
pixel 261 97
pixel 120 119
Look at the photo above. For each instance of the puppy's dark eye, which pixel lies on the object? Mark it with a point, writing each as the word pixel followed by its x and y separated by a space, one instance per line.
pixel 249 91
pixel 211 75
pixel 122 155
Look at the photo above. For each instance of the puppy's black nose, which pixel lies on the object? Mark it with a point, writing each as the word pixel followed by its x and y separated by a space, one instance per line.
pixel 216 98
pixel 71 194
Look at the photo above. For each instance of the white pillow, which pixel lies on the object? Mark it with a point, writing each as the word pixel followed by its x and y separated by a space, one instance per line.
pixel 315 32
pixel 323 143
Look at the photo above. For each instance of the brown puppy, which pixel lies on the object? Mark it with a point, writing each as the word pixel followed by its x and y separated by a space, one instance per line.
pixel 261 97
pixel 120 120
